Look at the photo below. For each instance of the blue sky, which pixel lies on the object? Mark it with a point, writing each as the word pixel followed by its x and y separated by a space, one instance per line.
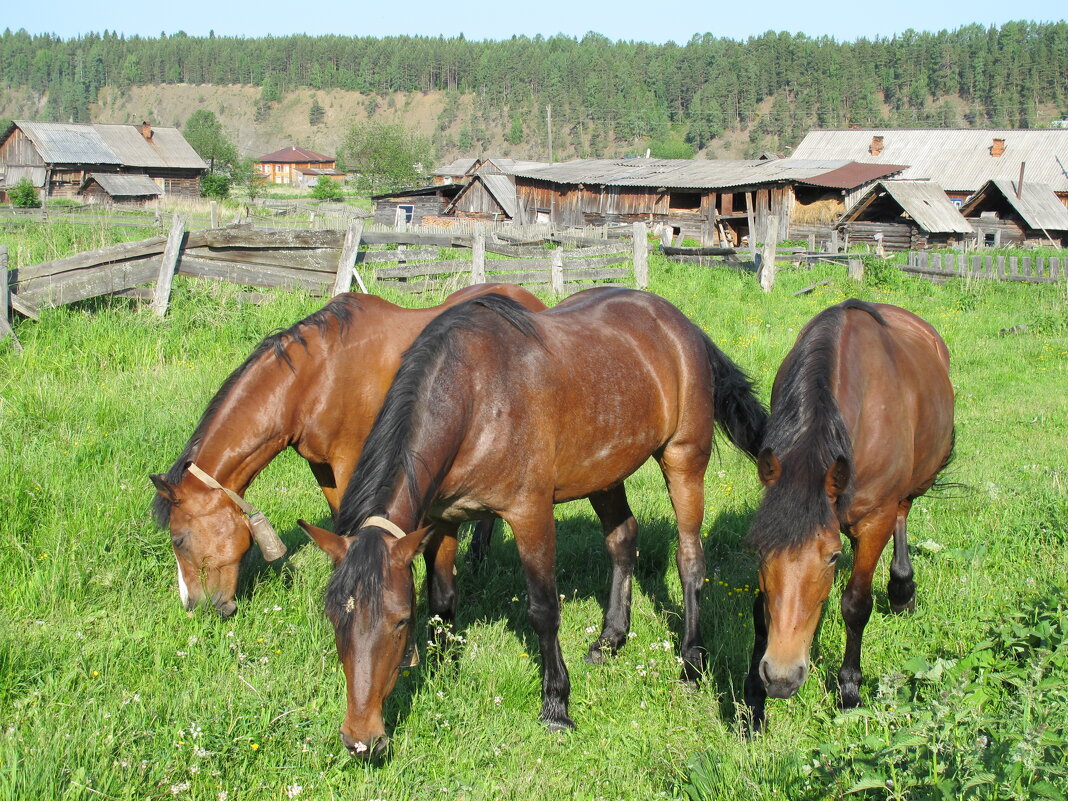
pixel 649 22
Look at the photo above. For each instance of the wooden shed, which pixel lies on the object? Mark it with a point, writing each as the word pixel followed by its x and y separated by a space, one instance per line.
pixel 713 202
pixel 1004 214
pixel 487 196
pixel 412 206
pixel 58 158
pixel 906 215
pixel 128 190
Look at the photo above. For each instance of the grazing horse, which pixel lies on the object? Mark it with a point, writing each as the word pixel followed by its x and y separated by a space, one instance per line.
pixel 500 412
pixel 861 425
pixel 317 387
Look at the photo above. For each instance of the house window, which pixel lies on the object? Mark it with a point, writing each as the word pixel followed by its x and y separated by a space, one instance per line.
pixel 408 210
pixel 685 201
pixel 956 201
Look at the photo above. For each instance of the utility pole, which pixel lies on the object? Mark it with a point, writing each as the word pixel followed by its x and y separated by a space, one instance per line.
pixel 549 126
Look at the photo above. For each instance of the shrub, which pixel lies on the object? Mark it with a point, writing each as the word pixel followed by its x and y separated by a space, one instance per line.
pixel 24 195
pixel 327 189
pixel 215 185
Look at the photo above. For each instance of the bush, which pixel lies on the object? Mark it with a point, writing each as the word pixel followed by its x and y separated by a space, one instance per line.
pixel 327 189
pixel 215 185
pixel 24 195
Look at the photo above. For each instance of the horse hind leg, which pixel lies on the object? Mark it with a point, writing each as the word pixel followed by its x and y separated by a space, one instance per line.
pixel 481 534
pixel 621 541
pixel 901 589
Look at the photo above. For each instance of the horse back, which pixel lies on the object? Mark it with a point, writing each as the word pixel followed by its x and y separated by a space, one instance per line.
pixel 893 390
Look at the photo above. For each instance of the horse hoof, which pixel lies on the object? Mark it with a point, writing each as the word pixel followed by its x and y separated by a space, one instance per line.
pixel 903 609
pixel 850 699
pixel 595 657
pixel 566 724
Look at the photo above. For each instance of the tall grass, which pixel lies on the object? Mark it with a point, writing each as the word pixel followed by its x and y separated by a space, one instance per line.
pixel 109 690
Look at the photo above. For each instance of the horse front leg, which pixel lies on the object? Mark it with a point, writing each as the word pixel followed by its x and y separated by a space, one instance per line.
pixel 871 534
pixel 755 693
pixel 536 541
pixel 621 540
pixel 901 588
pixel 440 559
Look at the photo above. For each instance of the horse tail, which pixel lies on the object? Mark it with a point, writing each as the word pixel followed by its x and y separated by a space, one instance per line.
pixel 739 412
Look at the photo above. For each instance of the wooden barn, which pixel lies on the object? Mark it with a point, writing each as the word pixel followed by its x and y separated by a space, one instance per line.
pixel 487 196
pixel 1005 214
pixel 906 215
pixel 413 206
pixel 462 170
pixel 59 158
pixel 961 161
pixel 297 166
pixel 713 202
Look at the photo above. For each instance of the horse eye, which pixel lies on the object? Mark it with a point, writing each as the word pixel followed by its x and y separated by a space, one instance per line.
pixel 400 624
pixel 178 541
pixel 834 557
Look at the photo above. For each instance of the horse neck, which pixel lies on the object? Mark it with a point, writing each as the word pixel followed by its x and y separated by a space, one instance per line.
pixel 253 425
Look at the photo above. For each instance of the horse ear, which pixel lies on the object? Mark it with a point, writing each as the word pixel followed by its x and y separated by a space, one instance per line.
pixel 768 467
pixel 334 545
pixel 837 478
pixel 164 488
pixel 403 552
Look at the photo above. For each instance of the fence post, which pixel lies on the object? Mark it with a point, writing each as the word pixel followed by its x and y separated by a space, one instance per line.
pixel 168 264
pixel 214 206
pixel 346 265
pixel 478 256
pixel 856 269
pixel 5 304
pixel 641 256
pixel 767 257
pixel 556 271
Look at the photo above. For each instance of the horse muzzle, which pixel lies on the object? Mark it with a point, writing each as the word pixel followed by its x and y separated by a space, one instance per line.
pixel 372 748
pixel 782 681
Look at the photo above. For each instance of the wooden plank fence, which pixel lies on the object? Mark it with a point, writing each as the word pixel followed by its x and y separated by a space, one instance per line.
pixel 1030 269
pixel 322 262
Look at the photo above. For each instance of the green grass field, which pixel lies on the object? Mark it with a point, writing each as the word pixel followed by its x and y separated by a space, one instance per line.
pixel 109 690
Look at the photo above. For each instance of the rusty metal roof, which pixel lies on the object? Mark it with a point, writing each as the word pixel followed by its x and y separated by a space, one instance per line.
pixel 959 160
pixel 126 185
pixel 294 155
pixel 68 143
pixel 167 148
pixel 924 201
pixel 1037 203
pixel 713 174
pixel 120 145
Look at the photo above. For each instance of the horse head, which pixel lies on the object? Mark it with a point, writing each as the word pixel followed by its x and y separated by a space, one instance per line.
pixel 796 573
pixel 371 604
pixel 210 536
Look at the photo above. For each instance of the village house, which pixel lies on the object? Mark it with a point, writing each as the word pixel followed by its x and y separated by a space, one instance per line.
pixel 1006 214
pixel 716 202
pixel 961 161
pixel 138 162
pixel 413 206
pixel 298 166
pixel 905 215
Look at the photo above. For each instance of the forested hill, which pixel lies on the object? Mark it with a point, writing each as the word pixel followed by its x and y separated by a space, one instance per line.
pixel 606 96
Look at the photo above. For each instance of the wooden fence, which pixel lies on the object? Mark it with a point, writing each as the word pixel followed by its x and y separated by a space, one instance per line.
pixel 1032 269
pixel 322 262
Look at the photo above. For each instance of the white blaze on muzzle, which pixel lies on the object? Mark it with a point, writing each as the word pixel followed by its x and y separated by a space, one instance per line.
pixel 263 532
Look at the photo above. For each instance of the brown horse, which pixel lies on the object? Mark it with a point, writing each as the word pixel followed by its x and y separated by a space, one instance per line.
pixel 317 387
pixel 861 425
pixel 500 412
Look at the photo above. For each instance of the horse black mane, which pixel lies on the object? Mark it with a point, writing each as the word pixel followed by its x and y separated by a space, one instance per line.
pixel 807 434
pixel 338 310
pixel 386 453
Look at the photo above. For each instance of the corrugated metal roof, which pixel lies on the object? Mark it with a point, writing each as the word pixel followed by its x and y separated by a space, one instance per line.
pixel 714 174
pixel 1037 204
pixel 294 155
pixel 68 143
pixel 457 167
pixel 123 145
pixel 167 148
pixel 126 185
pixel 959 160
pixel 319 171
pixel 924 201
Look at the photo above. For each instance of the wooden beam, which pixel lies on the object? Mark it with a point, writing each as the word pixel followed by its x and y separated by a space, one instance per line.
pixel 556 271
pixel 168 265
pixel 641 256
pixel 6 329
pixel 94 258
pixel 346 265
pixel 478 256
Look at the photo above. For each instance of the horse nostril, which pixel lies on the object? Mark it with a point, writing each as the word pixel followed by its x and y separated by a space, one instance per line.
pixel 763 671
